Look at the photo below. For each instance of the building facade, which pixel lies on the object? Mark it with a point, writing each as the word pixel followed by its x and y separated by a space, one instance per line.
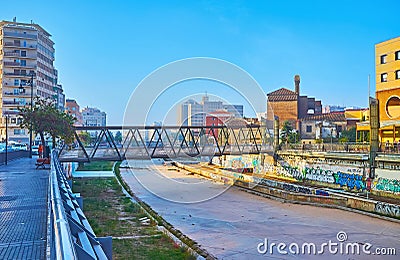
pixel 27 64
pixel 72 108
pixel 387 74
pixel 59 97
pixel 193 113
pixel 93 117
pixel 290 106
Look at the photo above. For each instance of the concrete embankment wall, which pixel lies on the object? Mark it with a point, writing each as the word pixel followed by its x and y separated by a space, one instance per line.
pixel 290 192
pixel 334 170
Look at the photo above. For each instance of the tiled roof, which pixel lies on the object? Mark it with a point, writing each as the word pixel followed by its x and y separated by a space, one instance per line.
pixel 282 94
pixel 330 117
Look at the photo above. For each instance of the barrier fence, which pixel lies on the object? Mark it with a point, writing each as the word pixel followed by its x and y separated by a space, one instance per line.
pixel 70 234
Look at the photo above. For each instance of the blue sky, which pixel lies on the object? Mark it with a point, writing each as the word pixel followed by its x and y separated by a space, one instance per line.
pixel 105 48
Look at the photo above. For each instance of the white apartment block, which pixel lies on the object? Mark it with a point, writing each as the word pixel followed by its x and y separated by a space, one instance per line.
pixel 93 117
pixel 26 53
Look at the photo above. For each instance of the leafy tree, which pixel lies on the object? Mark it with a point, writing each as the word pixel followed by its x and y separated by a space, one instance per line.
pixel 348 135
pixel 46 118
pixel 118 137
pixel 85 138
pixel 288 134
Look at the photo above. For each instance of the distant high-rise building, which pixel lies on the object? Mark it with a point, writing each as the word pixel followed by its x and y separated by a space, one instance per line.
pixel 236 110
pixel 193 113
pixel 93 117
pixel 26 53
pixel 72 108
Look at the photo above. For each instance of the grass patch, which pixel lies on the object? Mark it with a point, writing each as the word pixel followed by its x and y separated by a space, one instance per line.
pixel 96 166
pixel 161 248
pixel 111 213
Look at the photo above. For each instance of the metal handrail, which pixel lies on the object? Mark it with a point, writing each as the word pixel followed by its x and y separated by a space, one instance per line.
pixel 63 242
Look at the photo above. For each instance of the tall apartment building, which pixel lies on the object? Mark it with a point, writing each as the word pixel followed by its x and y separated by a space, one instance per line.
pixel 193 113
pixel 93 117
pixel 387 73
pixel 26 53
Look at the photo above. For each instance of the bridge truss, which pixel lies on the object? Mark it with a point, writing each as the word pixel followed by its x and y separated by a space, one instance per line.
pixel 167 142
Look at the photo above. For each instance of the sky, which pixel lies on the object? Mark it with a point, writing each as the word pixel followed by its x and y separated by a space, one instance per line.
pixel 104 49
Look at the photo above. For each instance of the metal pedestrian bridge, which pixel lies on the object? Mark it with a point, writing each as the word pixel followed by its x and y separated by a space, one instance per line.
pixel 145 142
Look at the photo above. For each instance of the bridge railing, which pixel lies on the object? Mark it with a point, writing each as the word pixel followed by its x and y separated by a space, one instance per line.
pixel 70 234
pixel 145 142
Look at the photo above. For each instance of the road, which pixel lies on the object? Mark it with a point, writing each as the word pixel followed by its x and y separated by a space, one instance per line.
pixel 233 223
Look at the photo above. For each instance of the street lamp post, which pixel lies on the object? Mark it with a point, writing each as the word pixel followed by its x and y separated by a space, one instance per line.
pixel 6 139
pixel 30 125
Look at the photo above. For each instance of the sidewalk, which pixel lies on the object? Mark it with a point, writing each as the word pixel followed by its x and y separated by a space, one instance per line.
pixel 23 210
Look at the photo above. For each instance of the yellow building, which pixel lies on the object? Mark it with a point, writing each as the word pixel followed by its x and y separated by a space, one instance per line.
pixel 387 74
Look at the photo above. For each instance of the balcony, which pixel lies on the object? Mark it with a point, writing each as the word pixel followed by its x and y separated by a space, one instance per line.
pixel 20 35
pixel 18 64
pixel 16 74
pixel 22 94
pixel 12 44
pixel 11 112
pixel 14 103
pixel 18 55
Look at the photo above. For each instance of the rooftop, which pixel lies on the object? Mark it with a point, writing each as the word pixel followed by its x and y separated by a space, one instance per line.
pixel 330 117
pixel 282 94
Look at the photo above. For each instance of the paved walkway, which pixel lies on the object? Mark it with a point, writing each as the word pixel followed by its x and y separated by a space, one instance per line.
pixel 23 210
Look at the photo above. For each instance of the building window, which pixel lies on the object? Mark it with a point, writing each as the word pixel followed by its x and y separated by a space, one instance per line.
pixel 397 74
pixel 384 77
pixel 16 82
pixel 23 62
pixel 383 59
pixel 309 129
pixel 23 53
pixel 397 55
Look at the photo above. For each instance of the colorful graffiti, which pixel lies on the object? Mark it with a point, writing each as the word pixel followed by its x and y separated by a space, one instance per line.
pixel 318 174
pixel 387 209
pixel 290 171
pixel 351 181
pixel 387 185
pixel 295 188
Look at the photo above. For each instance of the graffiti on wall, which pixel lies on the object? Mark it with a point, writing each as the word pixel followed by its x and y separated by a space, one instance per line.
pixel 318 174
pixel 288 170
pixel 253 162
pixel 387 209
pixel 351 181
pixel 389 185
pixel 349 177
